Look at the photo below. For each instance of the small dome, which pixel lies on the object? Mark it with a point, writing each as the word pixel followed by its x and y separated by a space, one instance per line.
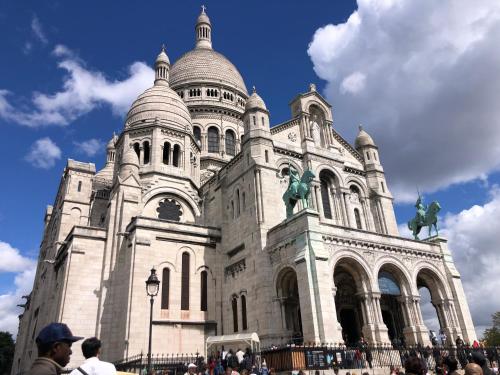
pixel 130 157
pixel 203 18
pixel 159 104
pixel 363 139
pixel 162 57
pixel 255 102
pixel 111 144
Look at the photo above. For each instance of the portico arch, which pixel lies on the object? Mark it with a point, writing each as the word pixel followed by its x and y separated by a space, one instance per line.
pixel 352 302
pixel 430 284
pixel 288 296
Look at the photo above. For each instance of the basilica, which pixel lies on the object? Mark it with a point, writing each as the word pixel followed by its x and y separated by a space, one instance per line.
pixel 193 187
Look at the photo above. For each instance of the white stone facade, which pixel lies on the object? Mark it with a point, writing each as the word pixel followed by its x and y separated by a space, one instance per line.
pixel 207 213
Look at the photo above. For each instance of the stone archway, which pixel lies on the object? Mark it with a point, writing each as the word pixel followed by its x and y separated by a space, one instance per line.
pixel 399 308
pixel 429 284
pixel 288 295
pixel 352 302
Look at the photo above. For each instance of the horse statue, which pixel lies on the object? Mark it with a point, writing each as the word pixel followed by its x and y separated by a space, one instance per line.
pixel 297 189
pixel 425 217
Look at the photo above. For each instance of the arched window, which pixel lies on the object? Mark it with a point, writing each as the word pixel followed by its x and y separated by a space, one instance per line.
pixel 234 304
pixel 197 134
pixel 244 312
pixel 357 216
pixel 232 209
pixel 176 155
pixel 382 186
pixel 230 143
pixel 263 121
pixel 204 291
pixel 166 153
pixel 165 288
pixel 238 208
pixel 254 121
pixel 266 155
pixel 137 149
pixel 146 150
pixel 367 155
pixel 244 202
pixel 325 198
pixel 213 139
pixel 79 186
pixel 185 282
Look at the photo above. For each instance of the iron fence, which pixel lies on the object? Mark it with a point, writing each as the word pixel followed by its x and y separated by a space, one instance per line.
pixel 160 363
pixel 322 357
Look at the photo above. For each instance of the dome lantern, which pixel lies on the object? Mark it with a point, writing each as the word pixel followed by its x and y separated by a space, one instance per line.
pixel 203 30
pixel 162 68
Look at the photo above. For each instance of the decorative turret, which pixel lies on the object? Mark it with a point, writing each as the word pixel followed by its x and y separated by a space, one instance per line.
pixel 129 163
pixel 203 30
pixel 162 68
pixel 365 145
pixel 256 115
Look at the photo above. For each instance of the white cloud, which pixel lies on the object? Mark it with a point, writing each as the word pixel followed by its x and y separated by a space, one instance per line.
pixel 12 260
pixel 353 83
pixel 44 153
pixel 37 29
pixel 90 147
pixel 23 283
pixel 83 90
pixel 428 95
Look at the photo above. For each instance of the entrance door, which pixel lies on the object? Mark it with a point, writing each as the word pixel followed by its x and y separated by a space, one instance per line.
pixel 350 329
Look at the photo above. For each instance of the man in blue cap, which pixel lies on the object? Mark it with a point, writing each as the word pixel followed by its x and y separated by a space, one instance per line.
pixel 54 349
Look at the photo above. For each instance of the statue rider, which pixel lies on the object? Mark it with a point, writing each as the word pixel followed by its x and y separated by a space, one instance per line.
pixel 294 179
pixel 421 208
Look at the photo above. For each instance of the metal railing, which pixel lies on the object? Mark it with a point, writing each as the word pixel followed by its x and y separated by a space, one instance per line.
pixel 321 357
pixel 166 363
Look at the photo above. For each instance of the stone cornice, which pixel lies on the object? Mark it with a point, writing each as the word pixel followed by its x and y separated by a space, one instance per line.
pixel 347 146
pixel 286 152
pixel 285 125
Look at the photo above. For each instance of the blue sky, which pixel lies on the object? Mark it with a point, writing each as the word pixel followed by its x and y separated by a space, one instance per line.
pixel 421 77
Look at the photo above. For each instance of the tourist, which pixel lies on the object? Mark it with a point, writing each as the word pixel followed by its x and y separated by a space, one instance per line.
pixel 451 366
pixel 91 349
pixel 54 349
pixel 240 354
pixel 413 365
pixel 459 342
pixel 263 368
pixel 191 369
pixel 442 337
pixel 473 369
pixel 479 359
pixel 230 371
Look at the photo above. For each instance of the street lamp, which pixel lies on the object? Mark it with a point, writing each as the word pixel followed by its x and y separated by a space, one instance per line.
pixel 152 287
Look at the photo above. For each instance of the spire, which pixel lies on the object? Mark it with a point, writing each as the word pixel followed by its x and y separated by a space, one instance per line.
pixel 203 30
pixel 162 68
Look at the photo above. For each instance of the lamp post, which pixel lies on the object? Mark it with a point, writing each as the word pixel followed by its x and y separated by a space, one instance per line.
pixel 152 287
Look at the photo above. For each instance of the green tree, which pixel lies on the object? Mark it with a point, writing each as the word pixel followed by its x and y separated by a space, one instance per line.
pixel 6 352
pixel 492 335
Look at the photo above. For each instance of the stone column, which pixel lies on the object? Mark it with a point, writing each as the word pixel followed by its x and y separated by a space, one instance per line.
pixel 409 330
pixel 421 330
pixel 369 331
pixel 171 156
pixel 141 155
pixel 381 331
pixel 348 209
pixel 368 216
pixel 319 205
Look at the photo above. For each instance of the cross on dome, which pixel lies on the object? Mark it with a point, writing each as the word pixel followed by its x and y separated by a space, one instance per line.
pixel 203 7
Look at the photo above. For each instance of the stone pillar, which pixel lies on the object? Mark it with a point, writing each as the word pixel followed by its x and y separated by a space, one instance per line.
pixel 368 216
pixel 141 155
pixel 317 200
pixel 368 329
pixel 348 209
pixel 409 330
pixel 222 145
pixel 381 331
pixel 421 331
pixel 171 155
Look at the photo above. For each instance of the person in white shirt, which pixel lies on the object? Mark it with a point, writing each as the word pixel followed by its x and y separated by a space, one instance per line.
pixel 91 349
pixel 240 354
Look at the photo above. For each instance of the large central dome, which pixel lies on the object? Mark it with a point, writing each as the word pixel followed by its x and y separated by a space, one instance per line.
pixel 205 65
